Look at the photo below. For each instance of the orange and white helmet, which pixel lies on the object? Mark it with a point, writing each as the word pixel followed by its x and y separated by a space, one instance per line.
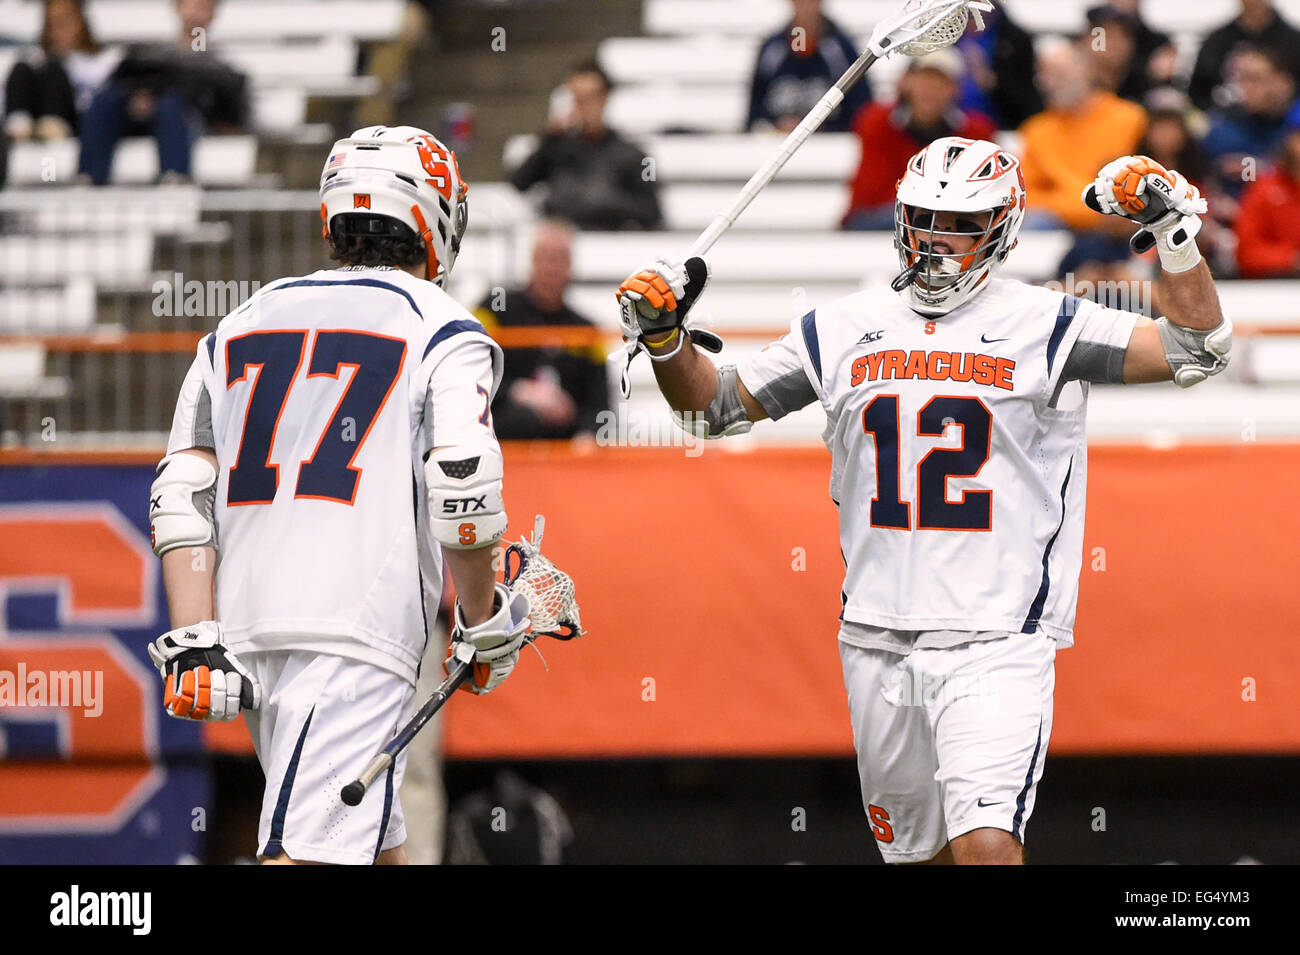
pixel 984 186
pixel 402 173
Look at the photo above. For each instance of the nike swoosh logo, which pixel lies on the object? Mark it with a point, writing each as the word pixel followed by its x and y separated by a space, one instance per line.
pixel 984 805
pixel 990 341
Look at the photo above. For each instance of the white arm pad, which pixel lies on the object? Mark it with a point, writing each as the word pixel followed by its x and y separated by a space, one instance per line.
pixel 466 509
pixel 180 504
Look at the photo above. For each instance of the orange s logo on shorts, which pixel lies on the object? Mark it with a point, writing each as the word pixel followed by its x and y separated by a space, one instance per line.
pixel 360 200
pixel 880 826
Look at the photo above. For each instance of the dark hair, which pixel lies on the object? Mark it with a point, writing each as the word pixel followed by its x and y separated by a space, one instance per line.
pixel 1276 57
pixel 591 66
pixel 360 239
pixel 1191 160
pixel 85 43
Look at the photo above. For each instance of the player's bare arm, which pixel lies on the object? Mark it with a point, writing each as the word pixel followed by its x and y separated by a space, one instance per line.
pixel 1192 341
pixel 203 680
pixel 188 572
pixel 475 579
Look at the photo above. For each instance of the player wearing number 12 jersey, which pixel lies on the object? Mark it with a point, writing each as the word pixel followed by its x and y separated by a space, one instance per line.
pixel 332 444
pixel 955 417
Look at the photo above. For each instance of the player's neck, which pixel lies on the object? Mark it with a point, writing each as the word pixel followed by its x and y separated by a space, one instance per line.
pixel 420 270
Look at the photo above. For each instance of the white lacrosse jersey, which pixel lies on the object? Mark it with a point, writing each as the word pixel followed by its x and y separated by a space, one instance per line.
pixel 315 395
pixel 958 447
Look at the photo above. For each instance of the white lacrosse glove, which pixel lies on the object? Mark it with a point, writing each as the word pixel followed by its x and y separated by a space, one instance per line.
pixel 204 680
pixel 1161 201
pixel 657 299
pixel 496 641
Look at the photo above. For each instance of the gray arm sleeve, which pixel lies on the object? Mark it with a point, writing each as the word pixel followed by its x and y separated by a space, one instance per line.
pixel 1096 362
pixel 203 437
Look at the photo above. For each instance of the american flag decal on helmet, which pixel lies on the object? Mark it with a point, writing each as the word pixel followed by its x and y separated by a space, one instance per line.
pixel 336 160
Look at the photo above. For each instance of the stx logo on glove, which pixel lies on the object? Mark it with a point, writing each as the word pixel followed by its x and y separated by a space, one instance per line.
pixel 463 505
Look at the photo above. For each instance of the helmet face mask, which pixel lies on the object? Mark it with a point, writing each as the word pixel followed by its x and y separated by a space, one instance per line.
pixel 958 211
pixel 944 255
pixel 405 175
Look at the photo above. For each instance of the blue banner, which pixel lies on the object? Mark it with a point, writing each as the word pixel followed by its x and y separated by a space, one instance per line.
pixel 91 769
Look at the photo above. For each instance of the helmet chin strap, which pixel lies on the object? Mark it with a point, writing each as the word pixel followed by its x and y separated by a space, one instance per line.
pixel 944 265
pixel 426 235
pixel 905 278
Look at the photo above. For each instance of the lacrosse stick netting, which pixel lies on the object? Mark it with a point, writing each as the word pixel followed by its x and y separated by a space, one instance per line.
pixel 945 32
pixel 553 603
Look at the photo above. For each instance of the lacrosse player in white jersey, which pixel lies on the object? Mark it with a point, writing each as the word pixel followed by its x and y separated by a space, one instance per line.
pixel 955 406
pixel 332 444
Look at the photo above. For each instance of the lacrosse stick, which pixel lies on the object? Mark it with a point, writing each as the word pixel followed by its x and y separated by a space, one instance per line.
pixel 921 27
pixel 553 612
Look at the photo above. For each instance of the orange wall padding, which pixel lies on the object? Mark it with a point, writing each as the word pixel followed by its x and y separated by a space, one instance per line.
pixel 685 573
pixel 684 570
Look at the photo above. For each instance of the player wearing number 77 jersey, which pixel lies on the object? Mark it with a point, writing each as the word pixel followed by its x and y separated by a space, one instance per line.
pixel 955 406
pixel 332 444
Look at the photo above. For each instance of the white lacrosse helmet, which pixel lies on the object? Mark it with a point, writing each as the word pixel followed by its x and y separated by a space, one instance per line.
pixel 961 176
pixel 401 173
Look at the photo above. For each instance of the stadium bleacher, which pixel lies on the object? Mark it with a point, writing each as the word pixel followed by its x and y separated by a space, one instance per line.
pixel 76 261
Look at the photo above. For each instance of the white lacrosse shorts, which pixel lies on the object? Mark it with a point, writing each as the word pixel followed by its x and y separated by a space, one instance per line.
pixel 949 740
pixel 321 720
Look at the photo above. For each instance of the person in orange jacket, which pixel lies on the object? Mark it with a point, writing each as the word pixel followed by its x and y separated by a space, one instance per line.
pixel 1079 130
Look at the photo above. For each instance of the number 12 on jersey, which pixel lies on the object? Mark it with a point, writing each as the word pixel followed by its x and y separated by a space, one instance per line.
pixel 328 474
pixel 934 511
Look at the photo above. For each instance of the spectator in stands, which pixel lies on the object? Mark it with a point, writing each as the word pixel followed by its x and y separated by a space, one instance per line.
pixel 549 391
pixel 593 176
pixel 795 68
pixel 49 89
pixel 1131 57
pixel 1243 135
pixel 1258 25
pixel 891 134
pixel 1081 130
pixel 173 93
pixel 998 59
pixel 1268 221
pixel 1173 136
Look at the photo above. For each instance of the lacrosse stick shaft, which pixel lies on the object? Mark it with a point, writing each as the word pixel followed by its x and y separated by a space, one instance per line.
pixel 353 791
pixel 895 33
pixel 798 136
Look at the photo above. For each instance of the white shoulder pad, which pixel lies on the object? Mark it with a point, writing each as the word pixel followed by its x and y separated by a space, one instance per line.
pixel 180 504
pixel 466 509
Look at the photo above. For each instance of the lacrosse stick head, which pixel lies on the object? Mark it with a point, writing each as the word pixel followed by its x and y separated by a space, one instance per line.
pixel 924 26
pixel 553 604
